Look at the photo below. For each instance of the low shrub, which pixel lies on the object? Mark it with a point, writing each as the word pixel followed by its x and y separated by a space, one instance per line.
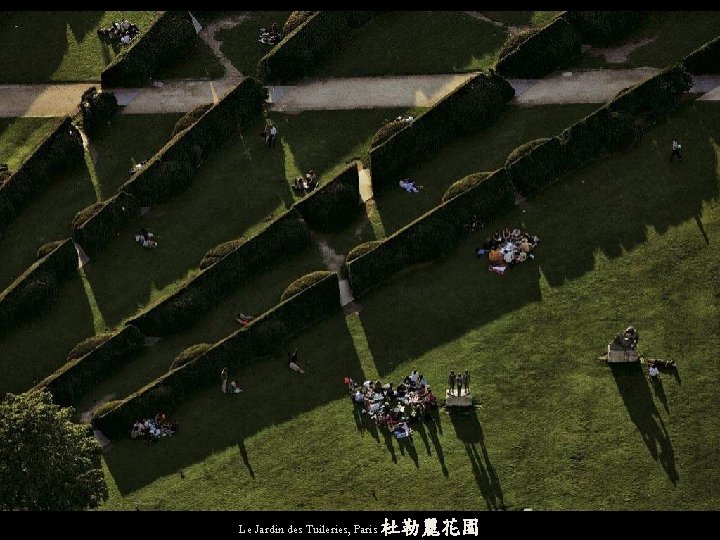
pixel 295 19
pixel 386 131
pixel 464 184
pixel 218 252
pixel 106 407
pixel 87 345
pixel 303 283
pixel 99 223
pixel 190 118
pixel 46 249
pixel 189 354
pixel 523 149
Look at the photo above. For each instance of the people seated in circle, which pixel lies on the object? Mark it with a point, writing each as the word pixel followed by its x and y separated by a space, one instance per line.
pixel 304 184
pixel 145 238
pixel 409 186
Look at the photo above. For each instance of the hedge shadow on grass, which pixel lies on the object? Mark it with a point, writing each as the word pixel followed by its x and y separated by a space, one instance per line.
pixel 609 205
pixel 211 422
pixel 429 304
pixel 635 392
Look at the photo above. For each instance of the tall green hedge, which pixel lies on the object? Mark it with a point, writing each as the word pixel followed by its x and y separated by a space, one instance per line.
pixel 309 44
pixel 542 52
pixel 165 41
pixel 432 235
pixel 96 110
pixel 334 205
pixel 473 106
pixel 286 235
pixel 704 60
pixel 302 283
pixel 35 289
pixel 81 374
pixel 60 149
pixel 261 337
pixel 99 223
pixel 169 172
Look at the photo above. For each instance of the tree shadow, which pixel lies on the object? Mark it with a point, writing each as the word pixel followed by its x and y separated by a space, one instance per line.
pixel 638 400
pixel 212 422
pixel 468 430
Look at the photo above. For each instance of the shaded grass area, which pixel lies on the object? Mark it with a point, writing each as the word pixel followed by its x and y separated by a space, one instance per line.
pixel 19 137
pixel 232 195
pixel 556 428
pixel 63 45
pixel 416 42
pixel 240 44
pixel 675 34
pixel 30 351
pixel 199 63
pixel 484 151
pixel 130 139
pixel 49 217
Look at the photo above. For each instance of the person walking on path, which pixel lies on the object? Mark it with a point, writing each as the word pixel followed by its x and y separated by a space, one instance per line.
pixel 676 147
pixel 451 381
pixel 223 380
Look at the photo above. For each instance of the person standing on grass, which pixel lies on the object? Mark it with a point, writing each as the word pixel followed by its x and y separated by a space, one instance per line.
pixel 223 380
pixel 676 147
pixel 654 372
pixel 273 135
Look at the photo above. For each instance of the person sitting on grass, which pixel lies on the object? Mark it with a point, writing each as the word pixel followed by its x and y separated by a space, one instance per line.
pixel 409 186
pixel 311 181
pixel 292 362
pixel 243 320
pixel 235 387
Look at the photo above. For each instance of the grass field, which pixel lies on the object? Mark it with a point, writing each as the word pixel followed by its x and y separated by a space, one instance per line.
pixel 240 44
pixel 19 137
pixel 64 47
pixel 555 428
pixel 673 35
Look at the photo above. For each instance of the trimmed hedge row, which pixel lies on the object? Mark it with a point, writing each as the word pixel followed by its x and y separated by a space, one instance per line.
pixel 612 127
pixel 61 148
pixel 308 44
pixel 334 205
pixel 473 106
pixel 261 337
pixel 99 356
pixel 295 19
pixel 463 185
pixel 99 223
pixel 190 354
pixel 190 118
pixel 167 39
pixel 302 283
pixel 36 288
pixel 286 235
pixel 705 60
pixel 542 52
pixel 170 171
pixel 430 236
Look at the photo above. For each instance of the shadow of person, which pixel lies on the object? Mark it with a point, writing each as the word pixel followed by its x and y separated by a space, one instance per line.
pixel 640 405
pixel 420 429
pixel 406 443
pixel 434 427
pixel 468 430
pixel 244 455
pixel 388 442
pixel 660 392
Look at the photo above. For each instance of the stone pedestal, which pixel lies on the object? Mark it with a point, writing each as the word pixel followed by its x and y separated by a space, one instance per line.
pixel 455 400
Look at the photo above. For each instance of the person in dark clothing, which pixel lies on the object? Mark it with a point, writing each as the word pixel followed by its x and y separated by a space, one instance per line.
pixel 676 147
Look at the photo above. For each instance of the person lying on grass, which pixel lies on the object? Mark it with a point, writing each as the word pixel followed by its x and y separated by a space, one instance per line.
pixel 292 362
pixel 409 186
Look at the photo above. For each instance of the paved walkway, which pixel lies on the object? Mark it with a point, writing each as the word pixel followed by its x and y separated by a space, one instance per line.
pixel 594 86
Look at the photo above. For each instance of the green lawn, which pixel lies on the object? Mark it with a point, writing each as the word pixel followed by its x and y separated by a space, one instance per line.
pixel 556 429
pixel 19 137
pixel 675 34
pixel 416 42
pixel 48 218
pixel 240 44
pixel 64 47
pixel 485 151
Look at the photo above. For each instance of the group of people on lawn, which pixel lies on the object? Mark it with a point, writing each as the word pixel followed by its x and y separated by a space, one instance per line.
pixel 152 429
pixel 392 406
pixel 123 31
pixel 505 250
